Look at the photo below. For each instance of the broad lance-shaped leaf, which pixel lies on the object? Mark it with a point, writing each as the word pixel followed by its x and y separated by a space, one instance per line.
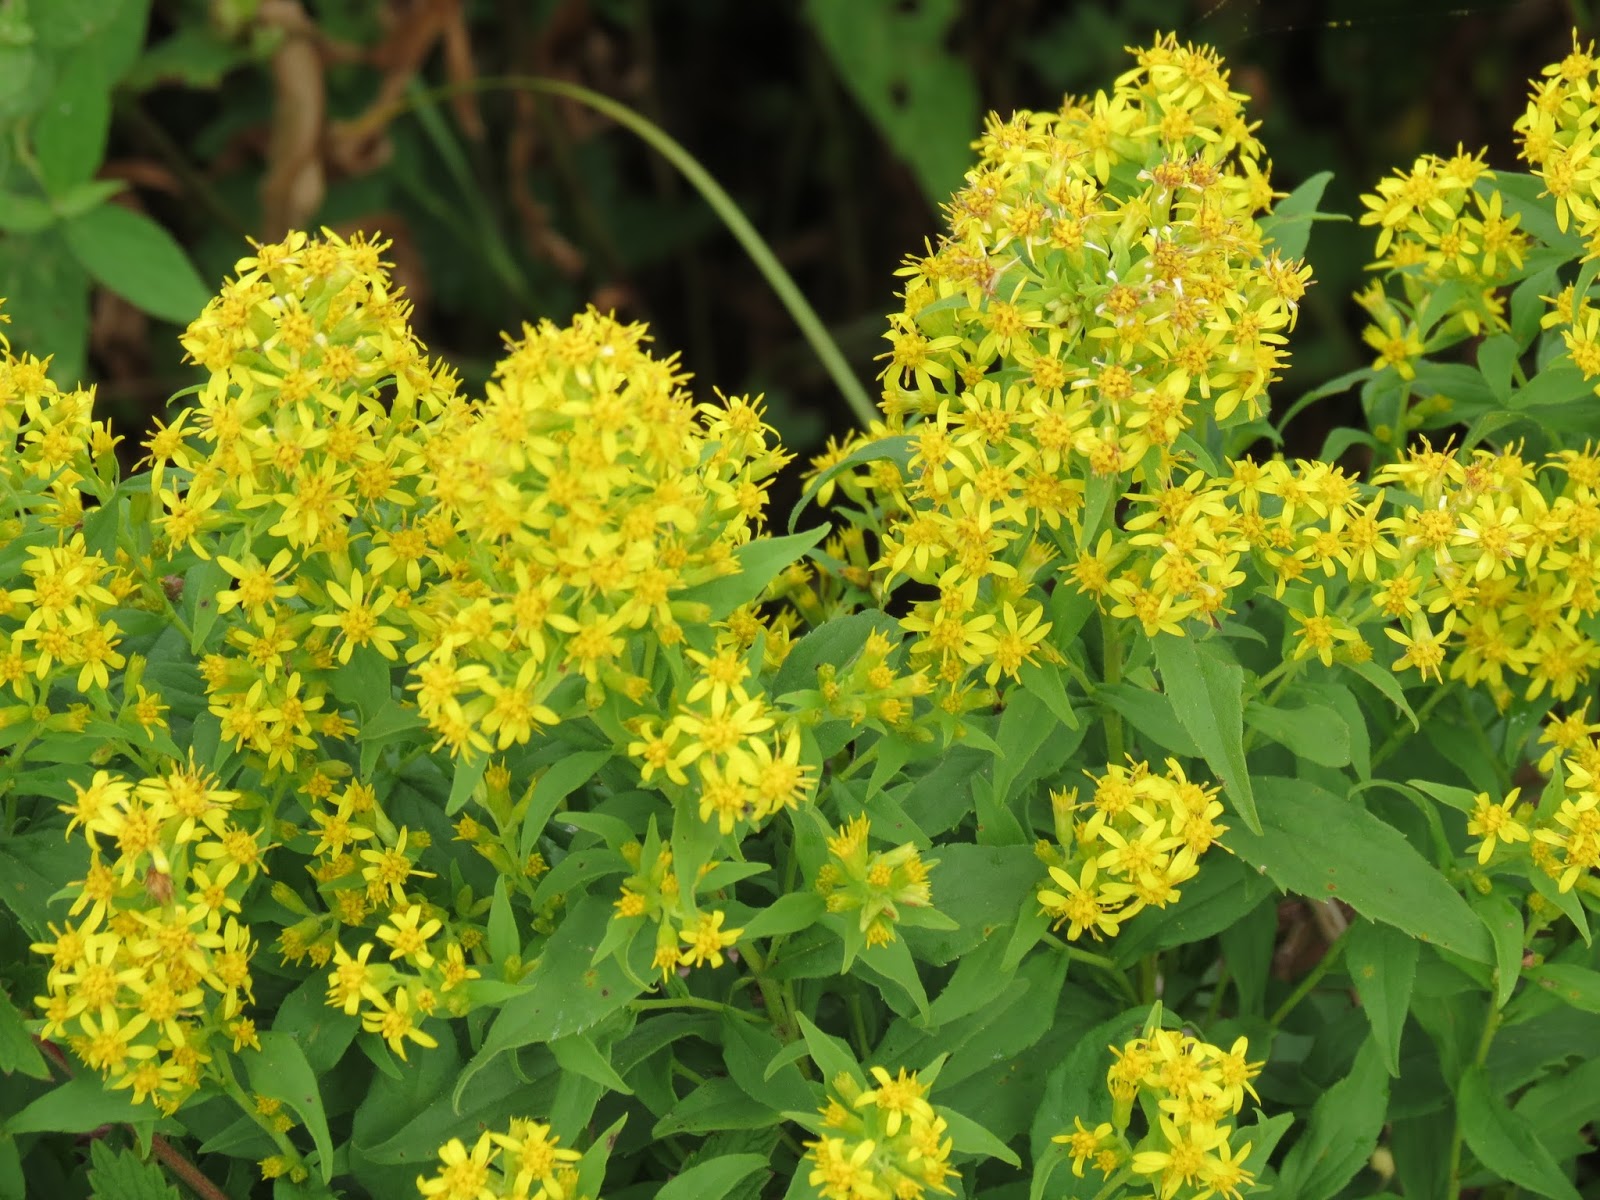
pixel 1506 1142
pixel 714 1179
pixel 1383 963
pixel 1319 845
pixel 1342 1132
pixel 1207 692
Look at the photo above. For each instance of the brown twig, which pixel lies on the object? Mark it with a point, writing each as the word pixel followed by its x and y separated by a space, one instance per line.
pixel 172 1158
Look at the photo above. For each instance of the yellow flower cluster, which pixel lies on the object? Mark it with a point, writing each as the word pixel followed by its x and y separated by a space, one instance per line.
pixel 1187 1090
pixel 1557 132
pixel 880 1143
pixel 685 936
pixel 594 491
pixel 54 626
pixel 1560 838
pixel 1104 286
pixel 301 468
pixel 873 884
pixel 55 451
pixel 362 865
pixel 526 1162
pixel 1507 555
pixel 870 689
pixel 1129 848
pixel 158 962
pixel 1487 563
pixel 1441 226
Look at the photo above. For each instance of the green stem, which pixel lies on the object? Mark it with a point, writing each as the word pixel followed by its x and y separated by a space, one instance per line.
pixel 1149 975
pixel 1099 962
pixel 1491 1025
pixel 1481 738
pixel 1401 735
pixel 1330 958
pixel 1214 1009
pixel 781 282
pixel 858 1025
pixel 223 1074
pixel 1111 668
pixel 784 1026
pixel 694 1002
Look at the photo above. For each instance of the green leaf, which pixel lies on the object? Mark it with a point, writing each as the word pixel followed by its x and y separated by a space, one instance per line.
pixel 504 941
pixel 971 1138
pixel 714 1179
pixel 25 214
pixel 1503 920
pixel 1027 724
pixel 1342 1132
pixel 894 963
pixel 17 1051
pixel 1321 846
pixel 80 1104
pixel 1314 732
pixel 757 1062
pixel 1506 1142
pixel 131 255
pixel 985 887
pixel 760 562
pixel 1383 963
pixel 832 1056
pixel 1049 685
pixel 1383 679
pixel 468 775
pixel 577 1053
pixel 559 781
pixel 123 1175
pixel 47 299
pixel 1578 986
pixel 1223 893
pixel 279 1070
pixel 195 56
pixel 33 868
pixel 837 642
pixel 789 913
pixel 365 683
pixel 323 1033
pixel 71 129
pixel 1207 694
pixel 62 23
pixel 1151 714
pixel 716 1104
pixel 896 449
pixel 1497 356
pixel 566 993
pixel 922 98
pixel 1288 225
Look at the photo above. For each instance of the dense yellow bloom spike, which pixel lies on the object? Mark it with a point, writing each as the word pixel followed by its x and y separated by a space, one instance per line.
pixel 873 884
pixel 1130 847
pixel 884 1141
pixel 1104 286
pixel 525 1162
pixel 153 960
pixel 1187 1089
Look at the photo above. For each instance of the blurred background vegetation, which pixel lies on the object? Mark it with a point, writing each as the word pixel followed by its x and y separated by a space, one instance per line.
pixel 142 141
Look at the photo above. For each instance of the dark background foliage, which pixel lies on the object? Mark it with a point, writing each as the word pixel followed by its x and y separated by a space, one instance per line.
pixel 836 124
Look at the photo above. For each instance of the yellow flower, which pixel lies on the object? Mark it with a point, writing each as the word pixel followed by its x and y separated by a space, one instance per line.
pixel 393 1021
pixel 463 1174
pixel 358 618
pixel 706 940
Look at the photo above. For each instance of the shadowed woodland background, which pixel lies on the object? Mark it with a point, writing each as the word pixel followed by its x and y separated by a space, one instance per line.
pixel 838 125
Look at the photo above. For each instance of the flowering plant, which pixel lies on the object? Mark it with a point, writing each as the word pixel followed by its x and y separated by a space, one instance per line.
pixel 410 788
